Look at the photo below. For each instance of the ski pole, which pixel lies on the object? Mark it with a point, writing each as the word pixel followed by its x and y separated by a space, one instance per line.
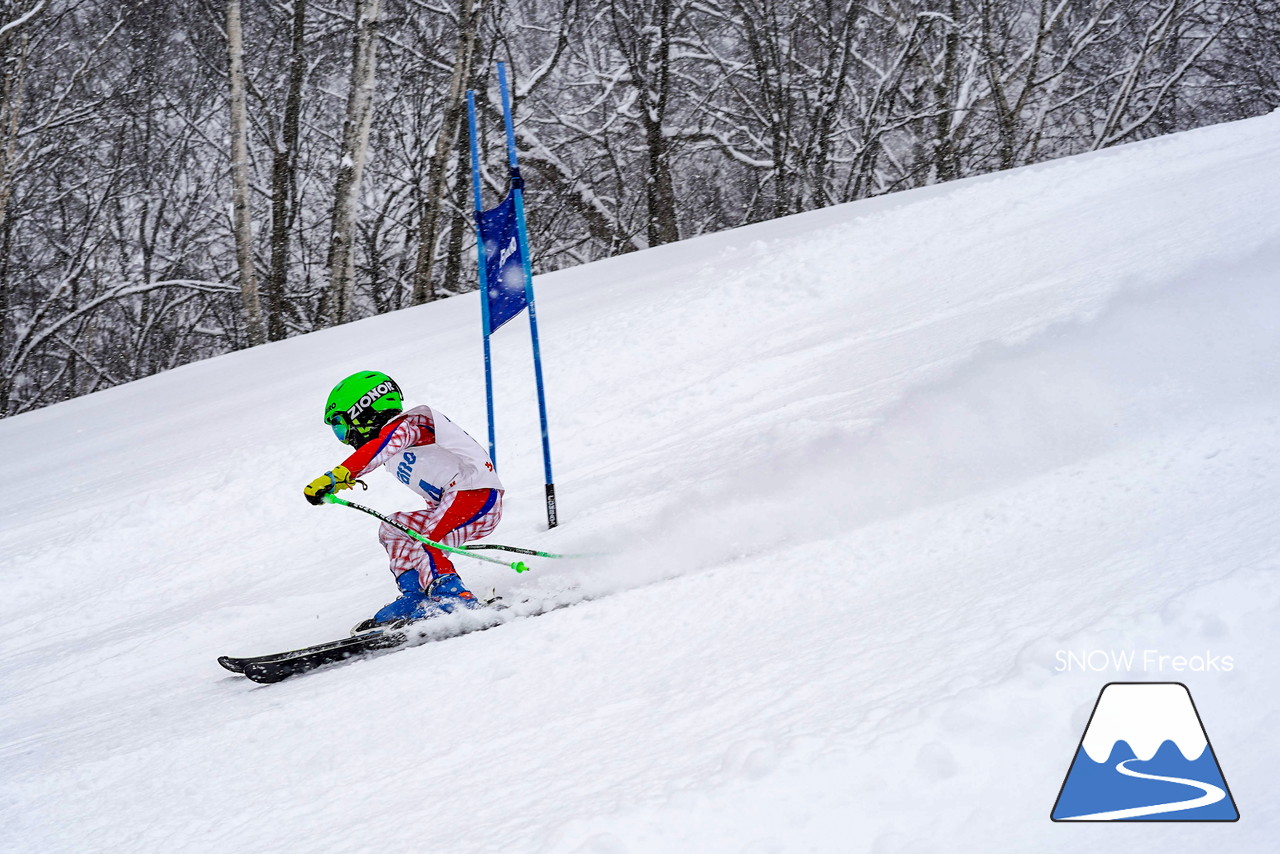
pixel 518 566
pixel 475 547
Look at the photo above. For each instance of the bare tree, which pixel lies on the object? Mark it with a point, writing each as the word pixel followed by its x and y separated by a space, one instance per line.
pixel 645 34
pixel 451 124
pixel 284 168
pixel 1246 72
pixel 355 149
pixel 241 212
pixel 1149 74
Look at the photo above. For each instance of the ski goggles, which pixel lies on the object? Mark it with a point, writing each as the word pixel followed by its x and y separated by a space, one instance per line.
pixel 338 421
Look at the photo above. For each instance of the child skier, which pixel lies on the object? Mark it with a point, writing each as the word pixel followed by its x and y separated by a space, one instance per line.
pixel 434 458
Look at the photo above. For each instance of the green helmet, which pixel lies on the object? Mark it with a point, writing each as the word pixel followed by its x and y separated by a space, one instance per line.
pixel 359 406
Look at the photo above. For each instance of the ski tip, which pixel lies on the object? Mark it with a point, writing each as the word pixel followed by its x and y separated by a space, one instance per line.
pixel 231 664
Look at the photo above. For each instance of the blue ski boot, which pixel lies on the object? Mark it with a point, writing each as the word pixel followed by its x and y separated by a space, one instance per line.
pixel 447 593
pixel 412 598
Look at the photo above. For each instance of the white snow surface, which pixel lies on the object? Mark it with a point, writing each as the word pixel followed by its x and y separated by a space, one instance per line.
pixel 862 475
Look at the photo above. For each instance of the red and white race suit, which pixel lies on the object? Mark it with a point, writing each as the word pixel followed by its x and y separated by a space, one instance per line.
pixel 440 462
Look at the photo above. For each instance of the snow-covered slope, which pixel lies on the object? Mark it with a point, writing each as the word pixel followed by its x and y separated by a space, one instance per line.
pixel 864 475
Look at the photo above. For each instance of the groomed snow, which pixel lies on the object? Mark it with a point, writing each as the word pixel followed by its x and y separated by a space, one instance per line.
pixel 862 474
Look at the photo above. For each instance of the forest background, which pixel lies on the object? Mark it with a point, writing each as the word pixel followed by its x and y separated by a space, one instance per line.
pixel 179 180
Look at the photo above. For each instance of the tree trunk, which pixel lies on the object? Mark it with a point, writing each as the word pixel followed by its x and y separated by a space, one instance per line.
pixel 450 131
pixel 284 165
pixel 459 229
pixel 242 222
pixel 10 121
pixel 946 92
pixel 355 149
pixel 660 191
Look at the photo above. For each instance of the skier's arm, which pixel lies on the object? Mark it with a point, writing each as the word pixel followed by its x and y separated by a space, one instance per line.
pixel 408 431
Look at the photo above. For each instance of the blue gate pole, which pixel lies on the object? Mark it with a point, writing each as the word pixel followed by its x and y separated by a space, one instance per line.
pixel 482 263
pixel 517 189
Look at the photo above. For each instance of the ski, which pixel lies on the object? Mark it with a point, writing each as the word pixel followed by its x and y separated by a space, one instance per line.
pixel 337 650
pixel 268 669
pixel 277 668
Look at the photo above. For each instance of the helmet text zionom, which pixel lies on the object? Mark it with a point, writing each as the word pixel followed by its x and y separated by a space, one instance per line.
pixel 369 397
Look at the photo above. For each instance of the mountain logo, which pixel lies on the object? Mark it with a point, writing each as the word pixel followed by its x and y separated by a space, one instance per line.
pixel 1145 756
